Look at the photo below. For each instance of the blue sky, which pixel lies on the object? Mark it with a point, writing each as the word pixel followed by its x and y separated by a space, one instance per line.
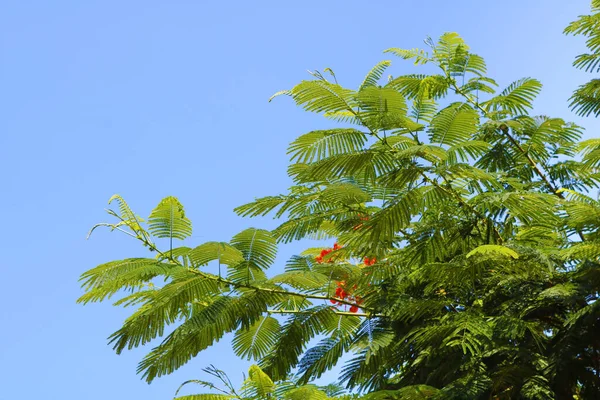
pixel 156 98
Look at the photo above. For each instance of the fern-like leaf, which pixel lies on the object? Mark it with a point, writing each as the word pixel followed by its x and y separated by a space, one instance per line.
pixel 318 145
pixel 256 342
pixel 454 124
pixel 516 99
pixel 168 220
pixel 375 74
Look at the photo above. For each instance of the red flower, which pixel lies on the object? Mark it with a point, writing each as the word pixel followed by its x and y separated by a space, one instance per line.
pixel 370 261
pixel 333 301
pixel 353 309
pixel 336 246
pixel 319 259
pixel 324 252
pixel 341 293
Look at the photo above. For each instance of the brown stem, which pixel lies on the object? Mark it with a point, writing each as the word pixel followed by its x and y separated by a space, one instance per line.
pixel 247 286
pixel 335 311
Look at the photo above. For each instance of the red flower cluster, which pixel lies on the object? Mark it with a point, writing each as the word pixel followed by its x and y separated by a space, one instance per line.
pixel 324 252
pixel 369 261
pixel 341 293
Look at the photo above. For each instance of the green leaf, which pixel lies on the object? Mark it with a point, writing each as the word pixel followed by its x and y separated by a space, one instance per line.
pixel 306 392
pixel 381 108
pixel 516 99
pixel 493 250
pixel 126 215
pixel 257 246
pixel 585 101
pixel 222 252
pixel 318 145
pixel 105 280
pixel 375 74
pixel 295 334
pixel 417 86
pixel 321 96
pixel 466 151
pixel 261 383
pixel 255 342
pixel 164 307
pixel 454 124
pixel 168 220
pixel 420 56
pixel 207 325
pixel 205 396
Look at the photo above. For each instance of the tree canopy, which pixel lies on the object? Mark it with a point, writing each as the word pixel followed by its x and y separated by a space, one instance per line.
pixel 586 99
pixel 464 246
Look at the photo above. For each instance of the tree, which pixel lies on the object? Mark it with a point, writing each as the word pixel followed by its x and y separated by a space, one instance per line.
pixel 586 99
pixel 466 254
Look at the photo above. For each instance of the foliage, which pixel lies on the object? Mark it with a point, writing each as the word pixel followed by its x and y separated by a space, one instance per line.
pixel 259 386
pixel 467 265
pixel 586 99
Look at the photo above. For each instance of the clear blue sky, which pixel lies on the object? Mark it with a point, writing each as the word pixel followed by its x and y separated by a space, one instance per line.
pixel 156 98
